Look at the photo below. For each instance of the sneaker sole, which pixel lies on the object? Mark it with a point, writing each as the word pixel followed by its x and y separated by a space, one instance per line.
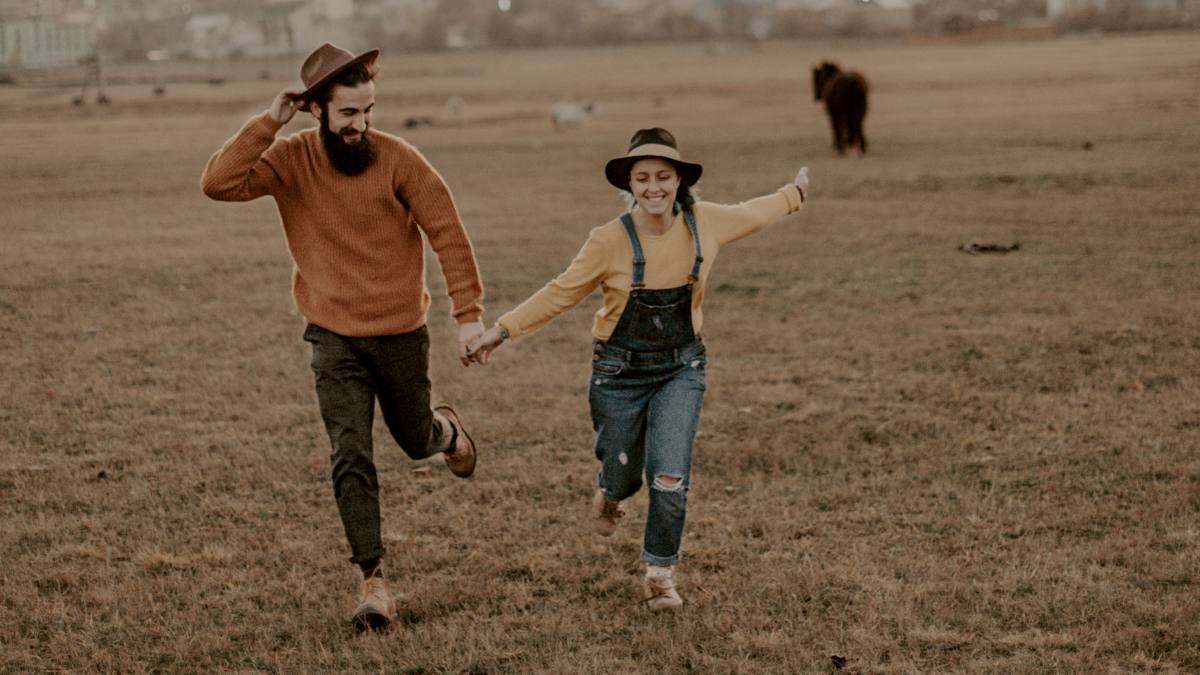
pixel 662 607
pixel 370 620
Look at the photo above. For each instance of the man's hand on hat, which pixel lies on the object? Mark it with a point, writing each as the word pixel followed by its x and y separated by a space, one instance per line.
pixel 802 182
pixel 286 104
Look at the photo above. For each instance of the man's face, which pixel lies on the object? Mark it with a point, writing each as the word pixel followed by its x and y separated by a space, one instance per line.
pixel 349 111
pixel 345 121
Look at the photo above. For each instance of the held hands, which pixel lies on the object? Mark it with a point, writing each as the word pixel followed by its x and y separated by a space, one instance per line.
pixel 481 348
pixel 286 104
pixel 467 332
pixel 802 182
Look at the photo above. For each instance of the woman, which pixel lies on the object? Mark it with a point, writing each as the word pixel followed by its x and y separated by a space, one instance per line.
pixel 648 361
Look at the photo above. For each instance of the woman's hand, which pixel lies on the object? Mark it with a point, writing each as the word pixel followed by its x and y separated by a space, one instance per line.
pixel 481 348
pixel 802 182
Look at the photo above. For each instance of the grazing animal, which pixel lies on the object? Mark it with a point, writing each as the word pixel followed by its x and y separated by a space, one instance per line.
pixel 569 114
pixel 845 96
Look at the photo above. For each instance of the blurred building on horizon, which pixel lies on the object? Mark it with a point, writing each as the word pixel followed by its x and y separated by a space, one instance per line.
pixel 47 33
pixel 45 42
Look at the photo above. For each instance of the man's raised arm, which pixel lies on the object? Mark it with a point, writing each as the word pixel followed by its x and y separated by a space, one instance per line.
pixel 239 171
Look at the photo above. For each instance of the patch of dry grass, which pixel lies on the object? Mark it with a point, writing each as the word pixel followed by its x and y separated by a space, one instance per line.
pixel 919 460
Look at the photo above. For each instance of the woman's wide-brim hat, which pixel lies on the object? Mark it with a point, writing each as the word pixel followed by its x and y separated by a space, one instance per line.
pixel 654 142
pixel 324 64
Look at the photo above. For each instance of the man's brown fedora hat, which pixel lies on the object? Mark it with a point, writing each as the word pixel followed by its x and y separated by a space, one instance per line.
pixel 654 142
pixel 324 64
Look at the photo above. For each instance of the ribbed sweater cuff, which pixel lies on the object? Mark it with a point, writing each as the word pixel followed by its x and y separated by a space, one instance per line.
pixel 469 316
pixel 509 325
pixel 792 192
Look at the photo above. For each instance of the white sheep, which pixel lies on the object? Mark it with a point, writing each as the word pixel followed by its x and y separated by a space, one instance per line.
pixel 566 114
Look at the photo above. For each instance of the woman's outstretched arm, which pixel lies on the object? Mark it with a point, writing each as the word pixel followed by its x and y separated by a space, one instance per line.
pixel 735 221
pixel 565 291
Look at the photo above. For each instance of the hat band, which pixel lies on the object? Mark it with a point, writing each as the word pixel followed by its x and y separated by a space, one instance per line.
pixel 655 150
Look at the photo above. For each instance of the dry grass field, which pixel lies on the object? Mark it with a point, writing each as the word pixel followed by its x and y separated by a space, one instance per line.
pixel 910 457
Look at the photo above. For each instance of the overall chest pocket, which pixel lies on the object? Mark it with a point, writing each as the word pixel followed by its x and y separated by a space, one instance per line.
pixel 657 305
pixel 658 321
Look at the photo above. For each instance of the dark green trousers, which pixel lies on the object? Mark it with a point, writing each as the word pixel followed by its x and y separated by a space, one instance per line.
pixel 351 374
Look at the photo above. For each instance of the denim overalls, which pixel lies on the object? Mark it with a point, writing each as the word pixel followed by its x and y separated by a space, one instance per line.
pixel 645 395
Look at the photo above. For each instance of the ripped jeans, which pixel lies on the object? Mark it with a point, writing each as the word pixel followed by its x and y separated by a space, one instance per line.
pixel 645 407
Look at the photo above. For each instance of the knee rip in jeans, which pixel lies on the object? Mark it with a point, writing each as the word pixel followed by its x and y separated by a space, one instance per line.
pixel 668 483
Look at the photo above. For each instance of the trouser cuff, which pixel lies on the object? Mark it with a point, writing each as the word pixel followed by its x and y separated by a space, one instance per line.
pixel 668 561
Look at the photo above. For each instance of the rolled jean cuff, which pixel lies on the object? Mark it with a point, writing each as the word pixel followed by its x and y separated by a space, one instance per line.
pixel 659 560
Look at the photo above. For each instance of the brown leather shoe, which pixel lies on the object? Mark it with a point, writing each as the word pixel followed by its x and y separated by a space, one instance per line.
pixel 460 458
pixel 660 595
pixel 376 607
pixel 605 514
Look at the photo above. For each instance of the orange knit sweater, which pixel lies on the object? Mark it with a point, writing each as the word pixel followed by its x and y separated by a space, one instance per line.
pixel 355 240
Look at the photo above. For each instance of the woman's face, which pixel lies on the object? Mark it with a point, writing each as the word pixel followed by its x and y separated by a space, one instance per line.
pixel 653 182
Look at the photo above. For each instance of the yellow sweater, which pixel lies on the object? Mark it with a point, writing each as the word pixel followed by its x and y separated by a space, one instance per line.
pixel 606 260
pixel 355 240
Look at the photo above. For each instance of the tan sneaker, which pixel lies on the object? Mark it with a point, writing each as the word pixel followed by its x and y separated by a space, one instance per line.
pixel 377 607
pixel 605 514
pixel 659 594
pixel 460 458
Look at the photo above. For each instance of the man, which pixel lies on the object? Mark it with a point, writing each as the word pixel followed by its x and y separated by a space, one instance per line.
pixel 353 202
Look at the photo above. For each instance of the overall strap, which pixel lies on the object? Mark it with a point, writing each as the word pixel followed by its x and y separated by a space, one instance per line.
pixel 639 258
pixel 694 276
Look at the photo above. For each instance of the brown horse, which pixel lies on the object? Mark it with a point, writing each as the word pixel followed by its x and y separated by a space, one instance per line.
pixel 845 96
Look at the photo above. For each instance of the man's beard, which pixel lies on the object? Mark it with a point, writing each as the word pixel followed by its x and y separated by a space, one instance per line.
pixel 348 158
